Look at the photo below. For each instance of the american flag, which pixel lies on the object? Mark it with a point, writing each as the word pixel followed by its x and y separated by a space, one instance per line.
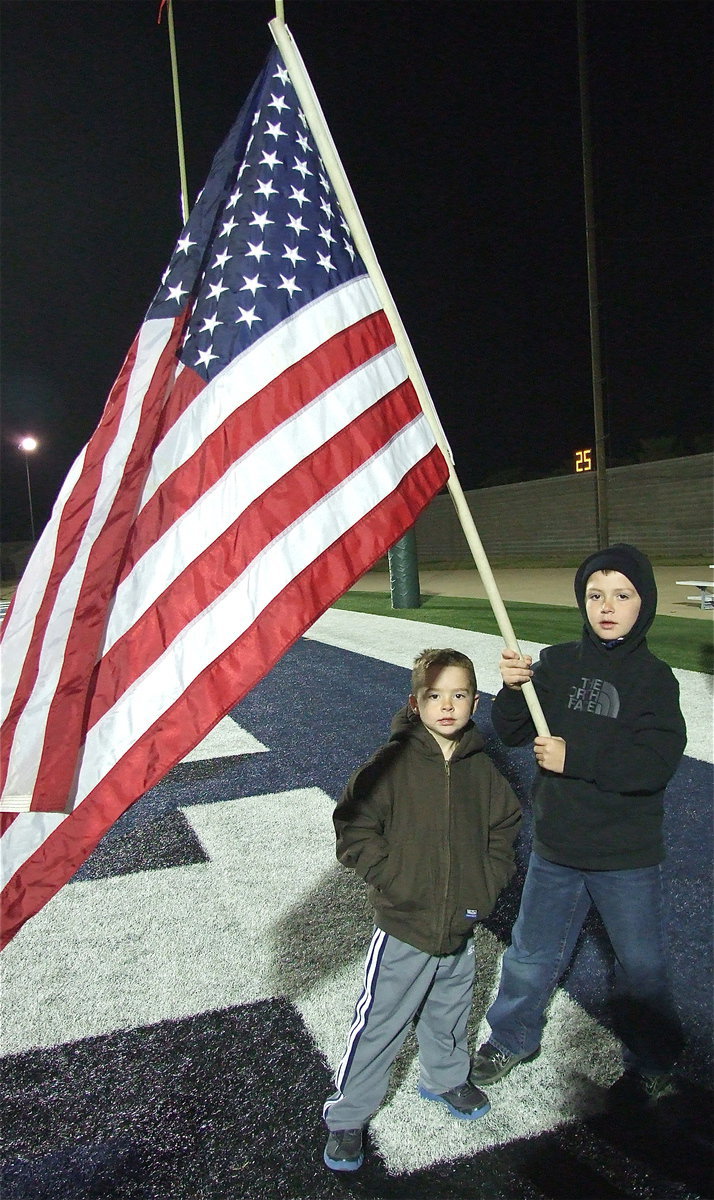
pixel 261 448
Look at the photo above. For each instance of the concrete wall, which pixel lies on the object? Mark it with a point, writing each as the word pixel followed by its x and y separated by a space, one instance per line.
pixel 666 508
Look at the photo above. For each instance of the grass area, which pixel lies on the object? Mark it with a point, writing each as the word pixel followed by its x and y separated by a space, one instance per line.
pixel 679 641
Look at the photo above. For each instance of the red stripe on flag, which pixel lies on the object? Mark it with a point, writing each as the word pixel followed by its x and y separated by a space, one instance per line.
pixel 265 411
pixel 224 560
pixel 64 731
pixel 204 703
pixel 186 387
pixel 75 515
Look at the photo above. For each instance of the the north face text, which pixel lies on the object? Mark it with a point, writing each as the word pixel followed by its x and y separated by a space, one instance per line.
pixel 595 696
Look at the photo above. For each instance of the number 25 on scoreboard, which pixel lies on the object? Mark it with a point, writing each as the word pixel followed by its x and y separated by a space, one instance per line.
pixel 583 460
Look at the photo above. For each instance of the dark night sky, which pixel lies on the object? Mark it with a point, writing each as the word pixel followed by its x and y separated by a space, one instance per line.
pixel 458 122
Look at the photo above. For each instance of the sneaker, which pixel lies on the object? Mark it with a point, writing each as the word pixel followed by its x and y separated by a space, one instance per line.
pixel 466 1103
pixel 491 1064
pixel 343 1151
pixel 642 1088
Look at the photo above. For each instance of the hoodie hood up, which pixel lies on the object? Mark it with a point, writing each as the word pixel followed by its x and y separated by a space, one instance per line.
pixel 637 567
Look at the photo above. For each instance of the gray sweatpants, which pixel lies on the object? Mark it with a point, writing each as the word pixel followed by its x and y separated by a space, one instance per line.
pixel 400 981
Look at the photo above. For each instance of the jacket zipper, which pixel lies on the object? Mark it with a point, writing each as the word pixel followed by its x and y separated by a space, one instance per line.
pixel 447 847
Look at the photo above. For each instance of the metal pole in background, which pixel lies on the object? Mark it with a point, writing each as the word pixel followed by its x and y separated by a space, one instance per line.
pixel 177 113
pixel 28 445
pixel 29 497
pixel 404 572
pixel 600 459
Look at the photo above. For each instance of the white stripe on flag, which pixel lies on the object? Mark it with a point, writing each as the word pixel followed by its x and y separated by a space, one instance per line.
pixel 248 478
pixel 222 623
pixel 29 593
pixel 28 740
pixel 26 834
pixel 295 338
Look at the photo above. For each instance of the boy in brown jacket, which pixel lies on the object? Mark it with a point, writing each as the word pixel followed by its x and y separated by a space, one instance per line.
pixel 429 824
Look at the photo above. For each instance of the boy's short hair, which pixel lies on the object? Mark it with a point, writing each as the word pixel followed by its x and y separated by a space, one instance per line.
pixel 440 658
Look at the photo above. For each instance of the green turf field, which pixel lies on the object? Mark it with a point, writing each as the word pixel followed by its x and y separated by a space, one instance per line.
pixel 679 641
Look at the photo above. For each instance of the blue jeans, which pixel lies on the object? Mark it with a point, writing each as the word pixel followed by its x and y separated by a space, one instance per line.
pixel 554 905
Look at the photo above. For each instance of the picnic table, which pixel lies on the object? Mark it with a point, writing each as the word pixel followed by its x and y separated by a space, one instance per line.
pixel 705 598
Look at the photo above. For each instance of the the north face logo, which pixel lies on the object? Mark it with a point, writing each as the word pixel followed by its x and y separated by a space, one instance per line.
pixel 595 696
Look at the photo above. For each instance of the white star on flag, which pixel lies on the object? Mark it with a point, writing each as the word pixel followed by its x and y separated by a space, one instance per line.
pixel 289 285
pixel 298 194
pixel 256 250
pixel 277 102
pixel 251 285
pixel 248 315
pixel 296 224
pixel 216 290
pixel 265 187
pixel 302 167
pixel 293 254
pixel 175 293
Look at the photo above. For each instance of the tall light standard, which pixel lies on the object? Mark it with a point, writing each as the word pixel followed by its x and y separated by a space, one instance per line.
pixel 28 445
pixel 601 505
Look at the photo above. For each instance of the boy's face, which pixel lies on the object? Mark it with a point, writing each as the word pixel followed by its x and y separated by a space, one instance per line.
pixel 612 604
pixel 446 703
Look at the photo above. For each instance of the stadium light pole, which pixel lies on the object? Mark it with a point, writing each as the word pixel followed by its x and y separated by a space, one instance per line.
pixel 28 445
pixel 601 499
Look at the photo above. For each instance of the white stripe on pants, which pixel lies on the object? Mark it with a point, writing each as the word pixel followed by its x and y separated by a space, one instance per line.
pixel 399 983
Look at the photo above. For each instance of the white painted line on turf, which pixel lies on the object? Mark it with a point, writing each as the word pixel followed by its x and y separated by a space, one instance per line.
pixel 224 740
pixel 398 641
pixel 130 950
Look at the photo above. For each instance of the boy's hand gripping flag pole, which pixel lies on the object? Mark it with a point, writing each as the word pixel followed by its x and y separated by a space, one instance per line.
pixel 323 139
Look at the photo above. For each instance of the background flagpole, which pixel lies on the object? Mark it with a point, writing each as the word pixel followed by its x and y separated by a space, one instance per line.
pixel 601 500
pixel 177 110
pixel 326 146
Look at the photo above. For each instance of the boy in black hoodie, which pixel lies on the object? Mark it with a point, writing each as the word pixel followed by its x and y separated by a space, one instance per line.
pixel 429 824
pixel 598 811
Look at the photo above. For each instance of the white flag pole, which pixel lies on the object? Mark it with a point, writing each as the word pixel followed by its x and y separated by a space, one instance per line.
pixel 326 146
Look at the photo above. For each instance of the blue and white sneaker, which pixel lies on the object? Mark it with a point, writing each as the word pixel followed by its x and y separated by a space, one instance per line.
pixel 343 1151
